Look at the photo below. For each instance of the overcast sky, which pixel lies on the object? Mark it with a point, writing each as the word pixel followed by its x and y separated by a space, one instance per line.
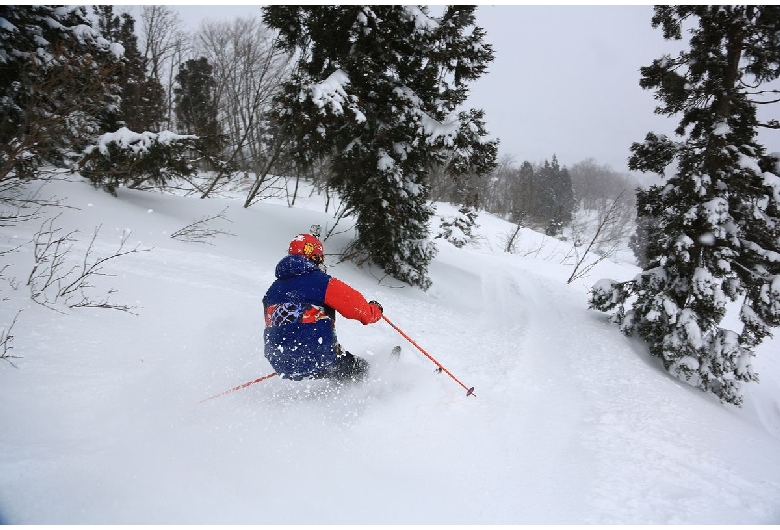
pixel 565 79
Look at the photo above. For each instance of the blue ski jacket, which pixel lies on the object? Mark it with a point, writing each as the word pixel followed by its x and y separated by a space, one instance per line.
pixel 300 316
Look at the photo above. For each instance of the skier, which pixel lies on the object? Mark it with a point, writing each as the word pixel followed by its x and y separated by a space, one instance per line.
pixel 300 317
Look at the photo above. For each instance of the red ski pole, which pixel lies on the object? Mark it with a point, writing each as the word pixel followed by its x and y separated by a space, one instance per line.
pixel 469 391
pixel 239 387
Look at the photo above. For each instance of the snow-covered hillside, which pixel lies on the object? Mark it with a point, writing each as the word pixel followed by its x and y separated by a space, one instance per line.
pixel 102 420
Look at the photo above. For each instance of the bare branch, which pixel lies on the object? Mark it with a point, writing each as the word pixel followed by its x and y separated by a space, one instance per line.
pixel 610 217
pixel 50 249
pixel 50 279
pixel 511 240
pixel 5 342
pixel 199 232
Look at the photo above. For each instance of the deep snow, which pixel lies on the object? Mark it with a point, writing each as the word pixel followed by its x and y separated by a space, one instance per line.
pixel 102 421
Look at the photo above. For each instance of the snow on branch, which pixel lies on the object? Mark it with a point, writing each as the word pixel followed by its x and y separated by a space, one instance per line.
pixel 128 158
pixel 139 143
pixel 332 94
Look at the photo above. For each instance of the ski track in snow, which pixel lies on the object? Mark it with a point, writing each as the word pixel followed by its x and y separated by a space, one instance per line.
pixel 615 440
pixel 641 455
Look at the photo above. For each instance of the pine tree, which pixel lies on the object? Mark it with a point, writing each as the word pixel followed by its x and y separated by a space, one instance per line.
pixel 143 98
pixel 196 106
pixel 640 239
pixel 715 235
pixel 376 93
pixel 55 85
pixel 458 229
pixel 523 193
pixel 555 196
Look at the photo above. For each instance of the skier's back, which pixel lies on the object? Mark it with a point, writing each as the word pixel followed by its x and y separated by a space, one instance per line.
pixel 300 315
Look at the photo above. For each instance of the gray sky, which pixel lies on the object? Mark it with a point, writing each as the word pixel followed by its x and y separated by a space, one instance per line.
pixel 565 79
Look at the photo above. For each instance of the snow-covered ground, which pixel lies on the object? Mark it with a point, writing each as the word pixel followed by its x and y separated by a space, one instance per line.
pixel 102 420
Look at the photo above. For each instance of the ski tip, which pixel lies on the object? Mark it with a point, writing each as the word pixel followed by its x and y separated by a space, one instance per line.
pixel 471 392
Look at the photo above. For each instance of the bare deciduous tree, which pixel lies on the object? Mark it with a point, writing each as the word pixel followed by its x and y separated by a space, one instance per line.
pixel 612 228
pixel 594 184
pixel 165 45
pixel 511 239
pixel 248 71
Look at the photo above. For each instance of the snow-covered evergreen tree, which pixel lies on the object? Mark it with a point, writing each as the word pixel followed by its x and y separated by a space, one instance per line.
pixel 458 228
pixel 143 98
pixel 377 92
pixel 127 158
pixel 555 196
pixel 56 85
pixel 639 240
pixel 715 236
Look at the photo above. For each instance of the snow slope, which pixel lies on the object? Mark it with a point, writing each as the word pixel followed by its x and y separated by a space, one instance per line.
pixel 573 422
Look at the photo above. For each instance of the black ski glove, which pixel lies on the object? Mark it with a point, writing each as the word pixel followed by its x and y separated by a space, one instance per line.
pixel 374 302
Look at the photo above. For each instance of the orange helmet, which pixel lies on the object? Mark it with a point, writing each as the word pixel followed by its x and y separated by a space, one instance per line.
pixel 308 246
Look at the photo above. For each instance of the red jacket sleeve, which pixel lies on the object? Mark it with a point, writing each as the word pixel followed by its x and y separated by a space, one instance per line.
pixel 350 303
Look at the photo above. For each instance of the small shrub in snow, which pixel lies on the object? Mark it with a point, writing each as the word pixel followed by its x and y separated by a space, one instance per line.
pixel 457 229
pixel 55 279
